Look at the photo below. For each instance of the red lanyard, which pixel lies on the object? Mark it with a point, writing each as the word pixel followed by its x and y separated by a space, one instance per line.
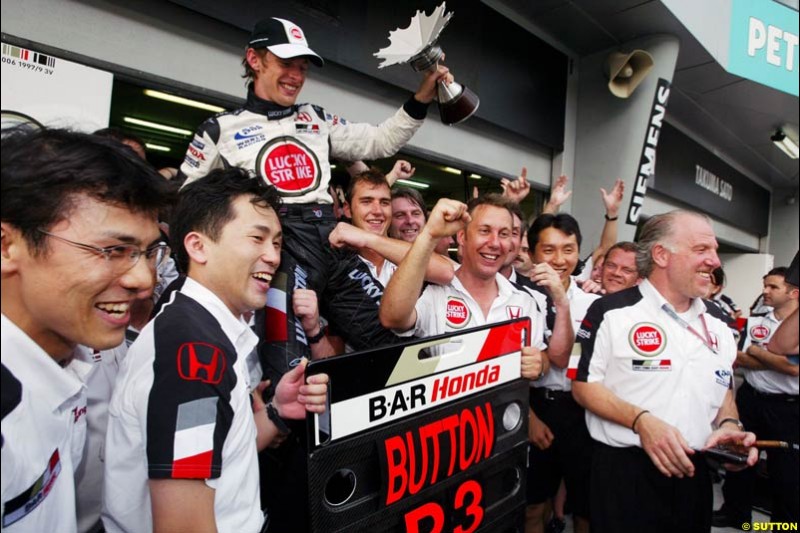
pixel 707 340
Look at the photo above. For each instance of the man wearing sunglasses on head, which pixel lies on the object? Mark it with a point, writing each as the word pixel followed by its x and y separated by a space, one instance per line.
pixel 80 243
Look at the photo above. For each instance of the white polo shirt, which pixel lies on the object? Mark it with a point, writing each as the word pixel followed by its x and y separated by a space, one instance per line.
pixel 579 301
pixel 99 387
pixel 759 331
pixel 450 308
pixel 644 356
pixel 387 270
pixel 44 429
pixel 181 410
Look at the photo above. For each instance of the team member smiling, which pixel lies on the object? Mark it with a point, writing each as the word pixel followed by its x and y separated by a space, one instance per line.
pixel 80 243
pixel 183 429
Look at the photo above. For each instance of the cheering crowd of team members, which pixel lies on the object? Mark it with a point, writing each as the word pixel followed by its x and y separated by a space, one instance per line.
pixel 190 418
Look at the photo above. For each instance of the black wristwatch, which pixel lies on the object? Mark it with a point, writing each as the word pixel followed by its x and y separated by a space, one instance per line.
pixel 279 422
pixel 318 337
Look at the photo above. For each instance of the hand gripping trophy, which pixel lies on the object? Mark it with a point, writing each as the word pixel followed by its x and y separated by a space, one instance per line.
pixel 416 44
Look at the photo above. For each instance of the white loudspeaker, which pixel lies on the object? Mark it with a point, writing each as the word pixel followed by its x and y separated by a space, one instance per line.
pixel 626 71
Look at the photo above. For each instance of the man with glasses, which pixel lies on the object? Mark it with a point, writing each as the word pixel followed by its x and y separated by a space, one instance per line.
pixel 80 243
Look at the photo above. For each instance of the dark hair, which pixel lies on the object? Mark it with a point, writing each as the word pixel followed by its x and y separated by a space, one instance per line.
pixel 372 176
pixel 561 221
pixel 777 271
pixel 413 196
pixel 516 210
pixel 718 276
pixel 204 206
pixel 625 246
pixel 44 171
pixel 249 73
pixel 119 135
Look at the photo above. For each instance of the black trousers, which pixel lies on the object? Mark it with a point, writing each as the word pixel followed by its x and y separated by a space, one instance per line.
pixel 629 494
pixel 770 417
pixel 568 457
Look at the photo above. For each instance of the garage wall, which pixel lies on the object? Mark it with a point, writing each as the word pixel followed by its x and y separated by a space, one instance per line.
pixel 169 41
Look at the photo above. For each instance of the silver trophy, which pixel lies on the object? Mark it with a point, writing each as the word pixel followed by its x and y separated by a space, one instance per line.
pixel 416 44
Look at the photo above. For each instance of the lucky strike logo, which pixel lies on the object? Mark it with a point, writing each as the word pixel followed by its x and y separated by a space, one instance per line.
pixel 296 33
pixel 456 313
pixel 759 333
pixel 647 339
pixel 289 165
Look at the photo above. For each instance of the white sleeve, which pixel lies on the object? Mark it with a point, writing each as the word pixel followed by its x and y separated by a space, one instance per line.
pixel 425 326
pixel 600 354
pixel 538 324
pixel 202 154
pixel 356 141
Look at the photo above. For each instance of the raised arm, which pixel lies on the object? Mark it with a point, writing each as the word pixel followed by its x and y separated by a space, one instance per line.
pixel 439 269
pixel 398 301
pixel 611 201
pixel 518 189
pixel 563 337
pixel 401 170
pixel 558 195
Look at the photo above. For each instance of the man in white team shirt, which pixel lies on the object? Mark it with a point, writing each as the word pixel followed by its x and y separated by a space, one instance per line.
pixel 655 376
pixel 768 405
pixel 80 244
pixel 183 429
pixel 561 442
pixel 478 294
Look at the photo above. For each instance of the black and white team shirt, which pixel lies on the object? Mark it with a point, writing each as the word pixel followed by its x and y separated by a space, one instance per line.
pixel 560 379
pixel 640 353
pixel 181 410
pixel 43 434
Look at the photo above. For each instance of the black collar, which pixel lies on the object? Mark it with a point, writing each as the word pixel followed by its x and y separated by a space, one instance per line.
pixel 267 108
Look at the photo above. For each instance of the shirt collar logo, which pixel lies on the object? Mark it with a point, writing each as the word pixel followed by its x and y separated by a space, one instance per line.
pixel 514 311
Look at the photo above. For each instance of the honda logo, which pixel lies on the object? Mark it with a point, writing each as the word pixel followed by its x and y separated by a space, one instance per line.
pixel 198 361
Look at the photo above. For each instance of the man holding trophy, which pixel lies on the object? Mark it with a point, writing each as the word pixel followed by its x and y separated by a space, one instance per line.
pixel 289 145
